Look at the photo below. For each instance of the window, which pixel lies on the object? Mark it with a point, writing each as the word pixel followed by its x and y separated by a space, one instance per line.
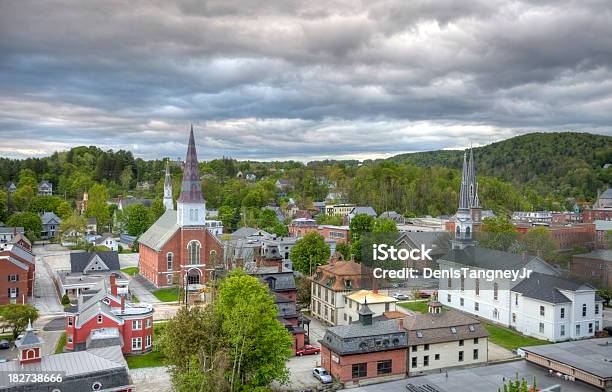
pixel 577 329
pixel 148 323
pixel 495 313
pixel 169 278
pixel 360 370
pixel 460 356
pixel 562 332
pixel 513 317
pixel 100 318
pixel 541 310
pixel 584 308
pixel 448 298
pixel 475 340
pixel 148 341
pixel 562 312
pixel 69 338
pixel 590 327
pixel 596 308
pixel 541 327
pixel 193 252
pixel 475 353
pixel 476 306
pixel 426 360
pixel 453 330
pixel 516 299
pixel 169 257
pixel 414 362
pixel 462 283
pixel 426 347
pixel 136 324
pixel 449 283
pixel 415 349
pixel 136 343
pixel 437 357
pixel 69 320
pixel 461 301
pixel 13 278
pixel 596 326
pixel 384 367
pixel 461 342
pixel 495 291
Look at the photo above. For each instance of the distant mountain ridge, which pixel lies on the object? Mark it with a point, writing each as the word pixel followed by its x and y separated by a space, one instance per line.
pixel 564 163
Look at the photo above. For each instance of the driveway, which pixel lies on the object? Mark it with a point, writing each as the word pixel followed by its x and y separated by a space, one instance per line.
pixel 151 379
pixel 142 289
pixel 45 296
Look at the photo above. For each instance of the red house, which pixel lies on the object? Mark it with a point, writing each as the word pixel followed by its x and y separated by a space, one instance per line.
pixel 102 317
pixel 180 247
pixel 16 274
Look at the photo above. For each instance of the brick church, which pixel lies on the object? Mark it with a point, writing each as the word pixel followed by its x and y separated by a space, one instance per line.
pixel 181 246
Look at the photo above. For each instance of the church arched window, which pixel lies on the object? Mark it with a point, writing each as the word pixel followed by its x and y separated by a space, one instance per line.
pixel 468 232
pixel 193 252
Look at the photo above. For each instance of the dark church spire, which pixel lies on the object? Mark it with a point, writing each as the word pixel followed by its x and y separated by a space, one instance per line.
pixel 191 188
pixel 464 202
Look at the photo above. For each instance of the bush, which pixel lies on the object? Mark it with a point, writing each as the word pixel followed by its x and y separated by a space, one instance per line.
pixel 65 299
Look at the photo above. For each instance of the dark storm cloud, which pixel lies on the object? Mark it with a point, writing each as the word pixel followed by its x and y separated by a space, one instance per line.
pixel 295 79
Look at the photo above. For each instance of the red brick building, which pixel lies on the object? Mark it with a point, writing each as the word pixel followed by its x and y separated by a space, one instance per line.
pixel 17 271
pixel 365 350
pixel 180 248
pixel 567 236
pixel 595 266
pixel 102 317
pixel 302 226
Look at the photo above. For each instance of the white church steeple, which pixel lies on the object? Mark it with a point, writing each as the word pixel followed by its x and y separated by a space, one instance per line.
pixel 168 202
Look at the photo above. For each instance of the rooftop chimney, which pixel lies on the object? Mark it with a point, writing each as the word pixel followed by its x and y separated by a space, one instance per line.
pixel 113 284
pixel 280 266
pixel 122 303
pixel 400 322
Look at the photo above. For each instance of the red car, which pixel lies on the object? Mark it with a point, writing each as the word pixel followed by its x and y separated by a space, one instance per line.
pixel 308 350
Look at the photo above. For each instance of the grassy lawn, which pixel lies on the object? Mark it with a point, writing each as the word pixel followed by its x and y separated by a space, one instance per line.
pixel 61 343
pixel 130 270
pixel 152 359
pixel 169 294
pixel 418 306
pixel 510 339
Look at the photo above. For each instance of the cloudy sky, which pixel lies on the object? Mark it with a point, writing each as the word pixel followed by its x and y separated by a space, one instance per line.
pixel 288 79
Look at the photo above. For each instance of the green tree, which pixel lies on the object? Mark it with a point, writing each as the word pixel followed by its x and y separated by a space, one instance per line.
pixel 227 215
pixel 279 229
pixel 22 197
pixel 40 204
pixel 97 207
pixel 3 205
pixel 384 225
pixel 27 178
pixel 609 238
pixel 17 316
pixel 29 221
pixel 497 233
pixel 518 385
pixel 267 218
pixel 136 219
pixel 157 209
pixel 73 226
pixel 539 241
pixel 360 224
pixel 258 344
pixel 344 249
pixel 309 252
pixel 64 210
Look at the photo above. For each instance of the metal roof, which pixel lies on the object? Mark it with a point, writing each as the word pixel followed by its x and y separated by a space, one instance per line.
pixel 80 260
pixel 161 231
pixel 546 288
pixel 589 355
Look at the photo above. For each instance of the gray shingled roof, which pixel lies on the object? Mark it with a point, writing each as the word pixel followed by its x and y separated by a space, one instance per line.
pixel 436 328
pixel 78 261
pixel 367 210
pixel 545 288
pixel 589 355
pixel 161 231
pixel 7 230
pixel 487 258
pixel 599 254
pixel 357 338
pixel 50 218
pixel 283 281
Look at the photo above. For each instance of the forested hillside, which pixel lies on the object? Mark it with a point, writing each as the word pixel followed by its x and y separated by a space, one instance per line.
pixel 530 172
pixel 560 164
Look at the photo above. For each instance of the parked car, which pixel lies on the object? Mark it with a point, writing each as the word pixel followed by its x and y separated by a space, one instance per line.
pixel 400 296
pixel 308 350
pixel 608 330
pixel 423 294
pixel 4 344
pixel 322 375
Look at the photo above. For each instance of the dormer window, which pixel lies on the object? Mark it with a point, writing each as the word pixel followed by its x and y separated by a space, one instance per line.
pixel 419 334
pixel 100 319
pixel 453 330
pixel 348 284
